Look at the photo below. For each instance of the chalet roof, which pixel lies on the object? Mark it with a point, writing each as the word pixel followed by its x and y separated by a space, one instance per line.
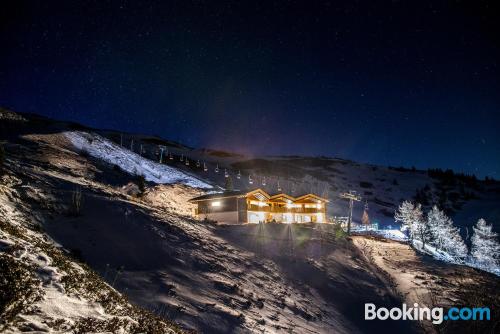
pixel 310 196
pixel 278 197
pixel 258 193
pixel 225 194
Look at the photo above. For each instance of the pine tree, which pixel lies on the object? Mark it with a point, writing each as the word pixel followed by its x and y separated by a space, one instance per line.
pixel 422 228
pixel 404 214
pixel 485 248
pixel 365 219
pixel 412 218
pixel 445 236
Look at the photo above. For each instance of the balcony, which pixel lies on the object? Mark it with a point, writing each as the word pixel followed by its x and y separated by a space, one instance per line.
pixel 266 208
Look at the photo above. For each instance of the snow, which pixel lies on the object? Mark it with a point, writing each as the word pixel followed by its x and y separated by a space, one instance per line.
pixel 445 257
pixel 396 235
pixel 392 234
pixel 101 148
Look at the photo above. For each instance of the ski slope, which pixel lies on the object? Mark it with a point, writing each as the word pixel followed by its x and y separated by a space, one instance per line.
pixel 103 149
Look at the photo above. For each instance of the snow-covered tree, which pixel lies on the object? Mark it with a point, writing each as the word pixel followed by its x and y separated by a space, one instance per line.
pixel 445 236
pixel 412 218
pixel 485 248
pixel 406 216
pixel 365 219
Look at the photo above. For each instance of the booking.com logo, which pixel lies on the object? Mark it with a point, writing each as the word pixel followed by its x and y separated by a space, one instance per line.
pixel 435 314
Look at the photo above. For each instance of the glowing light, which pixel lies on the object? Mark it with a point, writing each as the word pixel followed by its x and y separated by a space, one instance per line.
pixel 216 203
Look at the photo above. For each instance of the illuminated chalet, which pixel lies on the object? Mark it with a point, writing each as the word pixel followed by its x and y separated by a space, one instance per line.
pixel 258 206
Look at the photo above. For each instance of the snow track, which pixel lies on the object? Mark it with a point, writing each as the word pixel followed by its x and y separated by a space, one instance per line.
pixel 101 148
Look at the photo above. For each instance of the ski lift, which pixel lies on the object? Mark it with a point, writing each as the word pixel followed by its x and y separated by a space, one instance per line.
pixel 279 187
pixel 263 180
pixel 198 163
pixel 187 162
pixel 217 168
pixel 250 181
pixel 238 176
pixel 182 157
pixel 226 174
pixel 205 167
pixel 171 157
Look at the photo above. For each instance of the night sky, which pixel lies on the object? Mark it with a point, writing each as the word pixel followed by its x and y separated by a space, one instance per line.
pixel 382 82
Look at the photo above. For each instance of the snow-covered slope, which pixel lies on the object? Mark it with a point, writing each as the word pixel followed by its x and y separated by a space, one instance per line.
pixel 43 289
pixel 272 278
pixel 101 148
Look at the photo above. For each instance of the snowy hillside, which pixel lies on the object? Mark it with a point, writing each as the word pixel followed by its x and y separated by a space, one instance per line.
pixel 43 289
pixel 82 255
pixel 101 148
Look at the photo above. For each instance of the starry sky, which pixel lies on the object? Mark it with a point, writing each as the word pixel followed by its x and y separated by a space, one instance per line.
pixel 393 83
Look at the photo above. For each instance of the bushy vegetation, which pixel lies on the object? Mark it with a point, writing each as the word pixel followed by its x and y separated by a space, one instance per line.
pixel 449 177
pixel 18 288
pixel 403 169
pixel 140 181
pixel 335 229
pixel 76 202
pixel 2 158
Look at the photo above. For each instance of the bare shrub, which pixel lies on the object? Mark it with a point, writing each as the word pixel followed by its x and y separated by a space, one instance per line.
pixel 76 202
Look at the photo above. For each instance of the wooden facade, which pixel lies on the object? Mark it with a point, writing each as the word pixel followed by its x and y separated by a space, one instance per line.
pixel 258 206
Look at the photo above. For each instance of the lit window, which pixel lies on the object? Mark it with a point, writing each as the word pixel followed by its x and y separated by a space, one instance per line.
pixel 216 203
